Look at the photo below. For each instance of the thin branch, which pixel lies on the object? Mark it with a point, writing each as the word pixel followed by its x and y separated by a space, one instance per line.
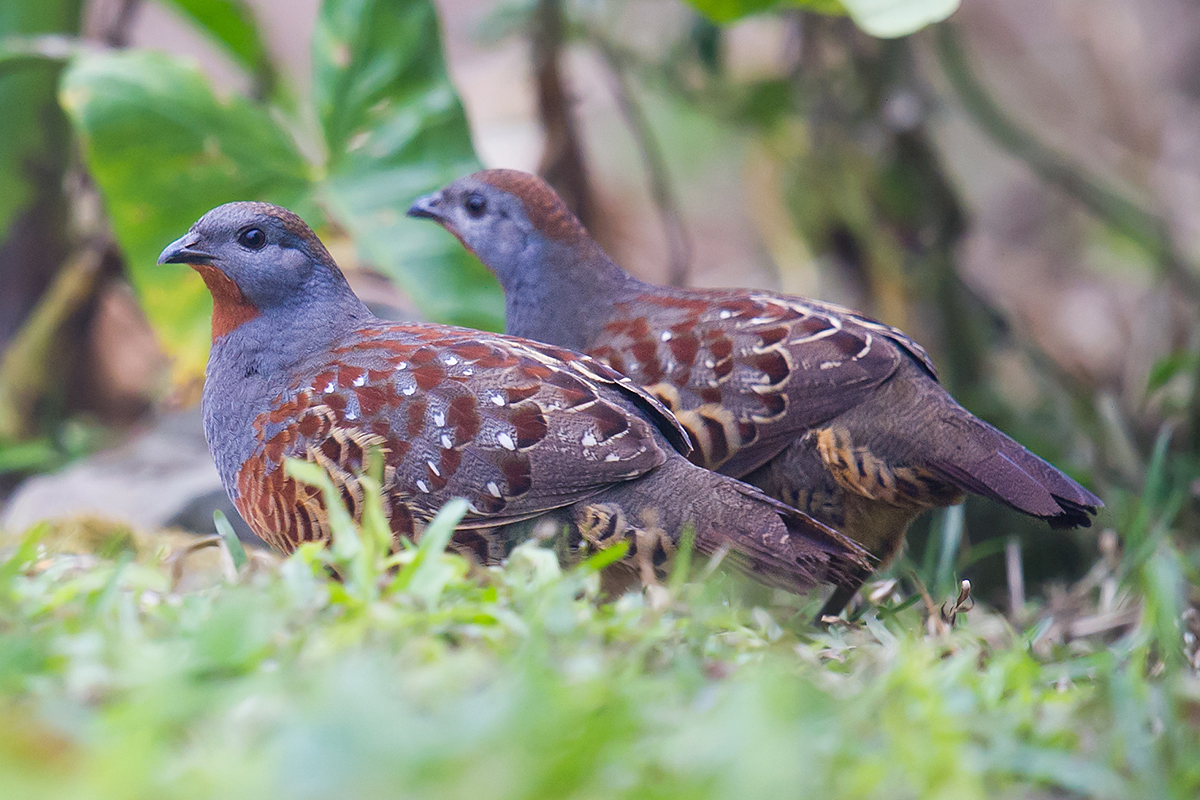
pixel 678 246
pixel 116 33
pixel 1141 226
pixel 23 374
pixel 562 159
pixel 1016 579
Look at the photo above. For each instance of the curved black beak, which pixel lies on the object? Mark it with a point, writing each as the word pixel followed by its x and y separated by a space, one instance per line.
pixel 428 207
pixel 183 251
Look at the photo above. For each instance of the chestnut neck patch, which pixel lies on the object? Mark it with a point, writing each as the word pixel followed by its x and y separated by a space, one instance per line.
pixel 231 308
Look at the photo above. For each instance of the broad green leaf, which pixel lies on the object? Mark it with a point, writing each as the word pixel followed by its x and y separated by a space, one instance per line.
pixel 395 129
pixel 164 150
pixel 231 24
pixel 729 10
pixel 33 133
pixel 883 18
pixel 891 18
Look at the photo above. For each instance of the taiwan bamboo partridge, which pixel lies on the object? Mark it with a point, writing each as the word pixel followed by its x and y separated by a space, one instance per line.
pixel 300 368
pixel 829 411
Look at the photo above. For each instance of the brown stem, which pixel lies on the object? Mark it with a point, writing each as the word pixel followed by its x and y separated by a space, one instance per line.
pixel 678 246
pixel 562 159
pixel 23 374
pixel 1142 227
pixel 116 34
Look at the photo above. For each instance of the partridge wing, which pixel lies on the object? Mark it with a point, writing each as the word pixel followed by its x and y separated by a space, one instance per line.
pixel 746 373
pixel 456 413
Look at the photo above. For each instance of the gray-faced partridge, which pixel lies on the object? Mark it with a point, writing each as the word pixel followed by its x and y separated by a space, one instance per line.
pixel 300 368
pixel 821 407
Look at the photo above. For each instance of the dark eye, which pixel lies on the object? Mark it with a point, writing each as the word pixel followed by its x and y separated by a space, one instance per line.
pixel 475 205
pixel 252 239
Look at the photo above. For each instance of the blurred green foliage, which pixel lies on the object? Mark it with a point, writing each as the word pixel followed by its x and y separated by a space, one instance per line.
pixel 384 125
pixel 32 130
pixel 413 677
pixel 883 18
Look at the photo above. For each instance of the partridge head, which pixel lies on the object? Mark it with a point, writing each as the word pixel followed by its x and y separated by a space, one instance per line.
pixel 300 368
pixel 822 407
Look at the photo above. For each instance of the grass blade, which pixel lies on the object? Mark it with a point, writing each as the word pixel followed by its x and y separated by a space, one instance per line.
pixel 229 538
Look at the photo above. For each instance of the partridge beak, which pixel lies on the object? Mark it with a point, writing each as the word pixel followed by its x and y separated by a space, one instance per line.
pixel 428 207
pixel 183 251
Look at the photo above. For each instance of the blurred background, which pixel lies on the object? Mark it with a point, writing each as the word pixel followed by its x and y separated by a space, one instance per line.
pixel 1017 187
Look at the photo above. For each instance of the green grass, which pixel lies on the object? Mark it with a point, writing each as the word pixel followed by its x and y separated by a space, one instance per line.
pixel 129 669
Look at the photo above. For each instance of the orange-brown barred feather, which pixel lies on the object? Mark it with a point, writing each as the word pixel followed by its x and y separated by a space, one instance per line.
pixel 749 369
pixel 505 424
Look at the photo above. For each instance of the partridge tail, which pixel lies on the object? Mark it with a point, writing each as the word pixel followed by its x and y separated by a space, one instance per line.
pixel 772 542
pixel 995 466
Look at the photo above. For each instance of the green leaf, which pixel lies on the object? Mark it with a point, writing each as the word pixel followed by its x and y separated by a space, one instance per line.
pixel 888 19
pixel 229 537
pixel 426 575
pixel 231 24
pixel 724 11
pixel 346 544
pixel 883 18
pixel 1167 367
pixel 19 53
pixel 34 137
pixel 24 554
pixel 164 150
pixel 395 130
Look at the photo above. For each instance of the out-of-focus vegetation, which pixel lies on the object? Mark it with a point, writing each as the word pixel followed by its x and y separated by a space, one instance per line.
pixel 885 18
pixel 383 125
pixel 130 670
pixel 127 669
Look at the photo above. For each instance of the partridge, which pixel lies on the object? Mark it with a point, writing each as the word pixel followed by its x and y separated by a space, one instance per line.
pixel 821 407
pixel 300 368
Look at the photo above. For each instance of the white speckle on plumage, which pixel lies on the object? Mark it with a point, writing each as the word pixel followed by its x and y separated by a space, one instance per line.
pixel 708 362
pixel 421 485
pixel 830 364
pixel 403 365
pixel 447 442
pixel 493 489
pixel 433 468
pixel 439 418
pixel 866 349
pixel 361 380
pixel 408 391
pixel 506 441
pixel 497 399
pixel 451 361
pixel 589 440
pixel 329 387
pixel 666 336
pixel 726 314
pixel 612 457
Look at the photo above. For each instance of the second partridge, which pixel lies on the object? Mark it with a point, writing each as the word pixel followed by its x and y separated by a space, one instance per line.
pixel 821 407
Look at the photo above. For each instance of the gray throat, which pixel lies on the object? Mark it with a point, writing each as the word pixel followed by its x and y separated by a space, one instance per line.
pixel 557 298
pixel 253 364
